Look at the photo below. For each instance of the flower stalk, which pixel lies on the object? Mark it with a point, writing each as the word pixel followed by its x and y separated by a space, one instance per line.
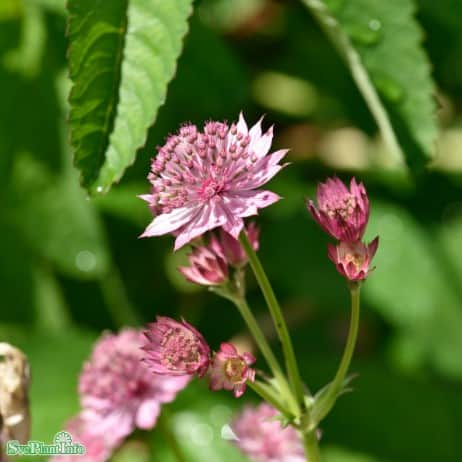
pixel 327 401
pixel 279 322
pixel 311 445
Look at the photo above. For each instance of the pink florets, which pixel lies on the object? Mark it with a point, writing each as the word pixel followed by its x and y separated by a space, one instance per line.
pixel 118 392
pixel 209 263
pixel 175 348
pixel 98 447
pixel 353 260
pixel 262 438
pixel 341 212
pixel 230 371
pixel 210 179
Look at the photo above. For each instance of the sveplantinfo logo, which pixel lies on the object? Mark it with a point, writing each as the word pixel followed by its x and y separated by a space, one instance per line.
pixel 62 445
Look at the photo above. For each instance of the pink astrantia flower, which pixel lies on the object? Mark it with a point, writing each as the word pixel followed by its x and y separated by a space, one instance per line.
pixel 353 259
pixel 230 371
pixel 210 179
pixel 341 212
pixel 175 348
pixel 207 265
pixel 232 248
pixel 98 447
pixel 117 390
pixel 262 439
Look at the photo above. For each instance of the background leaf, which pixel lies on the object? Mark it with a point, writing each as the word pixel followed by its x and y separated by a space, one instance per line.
pixel 122 56
pixel 388 41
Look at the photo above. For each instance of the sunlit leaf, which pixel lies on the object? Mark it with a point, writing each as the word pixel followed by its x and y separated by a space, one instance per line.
pixel 122 56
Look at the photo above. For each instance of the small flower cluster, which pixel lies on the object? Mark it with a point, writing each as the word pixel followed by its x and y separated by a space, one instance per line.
pixel 118 394
pixel 344 215
pixel 177 349
pixel 210 263
pixel 260 437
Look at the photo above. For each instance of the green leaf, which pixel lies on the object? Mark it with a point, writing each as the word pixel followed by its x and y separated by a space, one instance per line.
pixel 122 56
pixel 381 44
pixel 413 288
pixel 56 219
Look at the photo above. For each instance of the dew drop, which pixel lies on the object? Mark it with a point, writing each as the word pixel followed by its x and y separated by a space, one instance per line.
pixel 85 261
pixel 375 24
pixel 389 88
pixel 366 34
pixel 99 189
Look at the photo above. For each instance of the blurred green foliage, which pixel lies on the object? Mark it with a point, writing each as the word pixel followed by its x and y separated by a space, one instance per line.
pixel 73 266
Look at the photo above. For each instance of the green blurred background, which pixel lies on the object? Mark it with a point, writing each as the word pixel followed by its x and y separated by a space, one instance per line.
pixel 73 266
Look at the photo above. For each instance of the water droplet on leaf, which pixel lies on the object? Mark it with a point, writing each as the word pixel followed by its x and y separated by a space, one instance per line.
pixel 389 88
pixel 365 34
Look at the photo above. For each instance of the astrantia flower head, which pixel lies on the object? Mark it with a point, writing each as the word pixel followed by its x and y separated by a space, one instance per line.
pixel 230 371
pixel 341 212
pixel 262 439
pixel 98 447
pixel 353 259
pixel 117 390
pixel 210 179
pixel 207 265
pixel 175 348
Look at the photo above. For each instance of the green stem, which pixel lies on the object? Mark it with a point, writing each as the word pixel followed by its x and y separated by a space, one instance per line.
pixel 336 385
pixel 266 393
pixel 169 436
pixel 266 351
pixel 311 445
pixel 278 320
pixel 348 53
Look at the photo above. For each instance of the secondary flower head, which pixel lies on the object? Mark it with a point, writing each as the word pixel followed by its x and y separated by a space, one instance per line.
pixel 98 447
pixel 262 439
pixel 341 212
pixel 117 390
pixel 210 179
pixel 230 371
pixel 353 259
pixel 207 265
pixel 175 348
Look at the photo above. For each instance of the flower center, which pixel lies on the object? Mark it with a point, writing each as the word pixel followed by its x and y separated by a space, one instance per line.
pixel 343 207
pixel 234 369
pixel 210 188
pixel 180 350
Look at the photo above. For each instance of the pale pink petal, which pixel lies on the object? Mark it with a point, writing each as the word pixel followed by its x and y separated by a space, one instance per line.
pixel 147 414
pixel 210 216
pixel 169 222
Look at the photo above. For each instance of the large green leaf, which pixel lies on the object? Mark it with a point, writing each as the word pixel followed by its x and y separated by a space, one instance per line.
pixel 381 44
pixel 122 56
